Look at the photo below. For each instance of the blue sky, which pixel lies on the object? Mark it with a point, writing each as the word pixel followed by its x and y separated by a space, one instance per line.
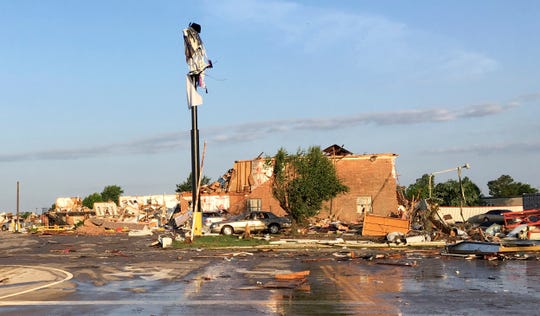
pixel 93 92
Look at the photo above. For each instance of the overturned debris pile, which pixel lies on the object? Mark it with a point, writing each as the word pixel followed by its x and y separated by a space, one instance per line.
pixel 89 227
pixel 329 226
pixel 99 226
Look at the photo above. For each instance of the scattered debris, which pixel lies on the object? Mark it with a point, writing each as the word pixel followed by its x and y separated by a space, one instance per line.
pixel 344 255
pixel 288 284
pixel 396 237
pixel 143 232
pixel 402 264
pixel 64 251
pixel 165 242
pixel 528 217
pixel 117 252
pixel 417 239
pixel 492 248
pixel 292 275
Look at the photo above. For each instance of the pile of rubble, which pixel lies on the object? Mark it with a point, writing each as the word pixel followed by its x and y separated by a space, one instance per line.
pixel 99 226
pixel 133 214
pixel 89 228
pixel 421 224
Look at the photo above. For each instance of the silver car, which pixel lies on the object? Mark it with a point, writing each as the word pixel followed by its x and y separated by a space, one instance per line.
pixel 210 217
pixel 256 221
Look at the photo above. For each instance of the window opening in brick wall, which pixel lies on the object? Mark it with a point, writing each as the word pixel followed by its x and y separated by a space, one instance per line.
pixel 254 205
pixel 363 205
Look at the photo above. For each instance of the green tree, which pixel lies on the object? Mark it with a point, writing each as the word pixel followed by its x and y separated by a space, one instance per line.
pixel 25 215
pixel 302 182
pixel 186 185
pixel 419 189
pixel 505 186
pixel 449 193
pixel 91 199
pixel 111 193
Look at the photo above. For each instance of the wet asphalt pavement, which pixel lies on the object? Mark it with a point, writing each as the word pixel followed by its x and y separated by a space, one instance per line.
pixel 119 276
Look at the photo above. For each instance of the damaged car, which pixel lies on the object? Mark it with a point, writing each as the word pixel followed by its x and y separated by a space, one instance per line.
pixel 256 221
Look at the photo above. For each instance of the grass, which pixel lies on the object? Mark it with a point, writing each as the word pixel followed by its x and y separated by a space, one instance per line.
pixel 219 242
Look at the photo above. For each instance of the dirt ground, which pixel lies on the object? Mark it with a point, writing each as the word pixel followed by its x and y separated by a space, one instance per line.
pixel 118 274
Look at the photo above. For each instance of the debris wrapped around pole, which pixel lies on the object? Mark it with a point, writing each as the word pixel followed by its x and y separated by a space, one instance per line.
pixel 196 57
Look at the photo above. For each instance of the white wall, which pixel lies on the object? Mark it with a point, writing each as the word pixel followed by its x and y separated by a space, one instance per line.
pixel 471 211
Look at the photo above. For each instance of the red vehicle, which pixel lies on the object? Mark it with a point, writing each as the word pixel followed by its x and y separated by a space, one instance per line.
pixel 529 217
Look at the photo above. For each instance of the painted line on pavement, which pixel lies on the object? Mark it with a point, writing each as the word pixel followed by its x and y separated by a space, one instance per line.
pixel 69 276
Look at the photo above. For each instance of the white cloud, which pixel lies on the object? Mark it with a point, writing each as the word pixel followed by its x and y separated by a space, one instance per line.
pixel 489 149
pixel 372 43
pixel 242 133
pixel 457 65
pixel 527 98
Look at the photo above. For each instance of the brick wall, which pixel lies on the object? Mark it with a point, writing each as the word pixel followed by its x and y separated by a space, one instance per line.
pixel 367 176
pixel 263 192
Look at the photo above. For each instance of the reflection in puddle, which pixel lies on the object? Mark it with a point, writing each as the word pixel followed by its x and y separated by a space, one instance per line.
pixel 347 288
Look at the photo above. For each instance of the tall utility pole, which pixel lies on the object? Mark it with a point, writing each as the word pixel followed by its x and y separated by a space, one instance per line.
pixel 16 221
pixel 195 160
pixel 197 62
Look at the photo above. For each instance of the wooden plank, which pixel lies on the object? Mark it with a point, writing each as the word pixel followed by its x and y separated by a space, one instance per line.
pixel 292 275
pixel 506 249
pixel 375 225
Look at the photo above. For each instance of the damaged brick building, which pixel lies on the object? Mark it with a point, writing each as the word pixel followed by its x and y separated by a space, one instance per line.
pixel 371 179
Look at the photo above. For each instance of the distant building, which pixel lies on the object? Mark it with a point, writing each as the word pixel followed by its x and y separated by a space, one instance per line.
pixel 513 201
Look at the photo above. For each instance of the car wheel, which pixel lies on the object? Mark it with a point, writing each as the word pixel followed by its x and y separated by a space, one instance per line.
pixel 4 228
pixel 273 228
pixel 227 230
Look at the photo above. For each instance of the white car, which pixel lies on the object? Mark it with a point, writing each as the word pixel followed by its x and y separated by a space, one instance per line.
pixel 256 221
pixel 9 224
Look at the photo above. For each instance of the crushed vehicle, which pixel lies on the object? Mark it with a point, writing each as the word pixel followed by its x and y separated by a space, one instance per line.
pixel 255 221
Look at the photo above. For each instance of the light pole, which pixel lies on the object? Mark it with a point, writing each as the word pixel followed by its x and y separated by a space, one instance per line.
pixel 17 218
pixel 197 62
pixel 466 166
pixel 462 200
